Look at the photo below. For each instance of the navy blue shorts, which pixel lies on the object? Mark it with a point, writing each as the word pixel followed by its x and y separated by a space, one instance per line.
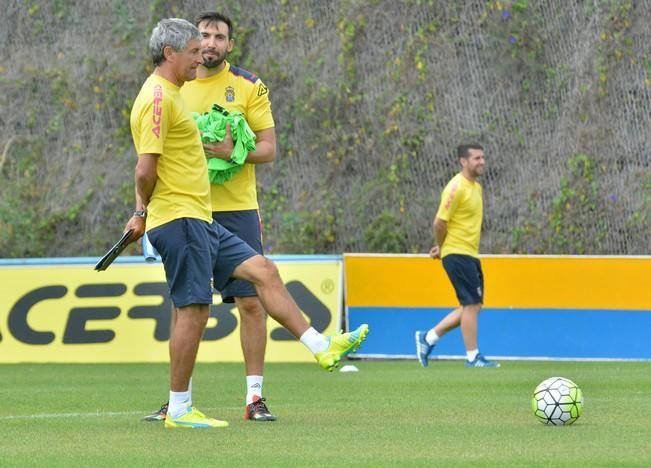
pixel 197 256
pixel 245 225
pixel 467 278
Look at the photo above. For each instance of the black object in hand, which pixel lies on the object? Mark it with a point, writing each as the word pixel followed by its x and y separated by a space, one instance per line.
pixel 113 252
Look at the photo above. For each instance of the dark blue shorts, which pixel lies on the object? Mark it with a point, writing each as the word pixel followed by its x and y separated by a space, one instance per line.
pixel 197 255
pixel 245 225
pixel 467 278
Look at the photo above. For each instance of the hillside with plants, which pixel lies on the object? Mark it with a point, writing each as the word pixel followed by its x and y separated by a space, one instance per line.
pixel 370 99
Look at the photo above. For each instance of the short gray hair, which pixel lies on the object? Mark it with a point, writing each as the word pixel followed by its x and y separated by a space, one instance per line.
pixel 172 32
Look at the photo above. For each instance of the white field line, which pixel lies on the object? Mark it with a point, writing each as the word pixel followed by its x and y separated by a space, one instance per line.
pixel 96 414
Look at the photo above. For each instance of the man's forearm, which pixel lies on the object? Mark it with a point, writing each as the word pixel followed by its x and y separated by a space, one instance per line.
pixel 440 230
pixel 145 179
pixel 265 147
pixel 264 152
pixel 143 194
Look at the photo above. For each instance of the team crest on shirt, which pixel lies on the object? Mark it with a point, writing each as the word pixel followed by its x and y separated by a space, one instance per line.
pixel 229 94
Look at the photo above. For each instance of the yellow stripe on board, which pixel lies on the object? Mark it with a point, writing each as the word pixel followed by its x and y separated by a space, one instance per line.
pixel 510 281
pixel 396 280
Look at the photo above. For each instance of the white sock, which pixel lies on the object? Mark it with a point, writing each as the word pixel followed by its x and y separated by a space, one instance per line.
pixel 190 390
pixel 179 403
pixel 253 387
pixel 431 337
pixel 472 354
pixel 315 341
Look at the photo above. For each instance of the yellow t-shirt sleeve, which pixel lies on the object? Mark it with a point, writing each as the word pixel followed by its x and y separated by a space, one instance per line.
pixel 258 113
pixel 450 199
pixel 155 116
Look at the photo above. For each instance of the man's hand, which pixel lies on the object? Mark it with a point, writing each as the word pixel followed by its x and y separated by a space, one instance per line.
pixel 137 223
pixel 220 149
pixel 435 252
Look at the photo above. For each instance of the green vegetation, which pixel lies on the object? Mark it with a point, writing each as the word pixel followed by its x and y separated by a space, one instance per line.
pixel 370 99
pixel 577 205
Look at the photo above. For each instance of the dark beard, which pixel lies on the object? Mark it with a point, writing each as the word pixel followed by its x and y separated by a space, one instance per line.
pixel 213 63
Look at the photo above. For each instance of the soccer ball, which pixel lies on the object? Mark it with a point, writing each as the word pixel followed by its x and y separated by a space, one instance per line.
pixel 557 401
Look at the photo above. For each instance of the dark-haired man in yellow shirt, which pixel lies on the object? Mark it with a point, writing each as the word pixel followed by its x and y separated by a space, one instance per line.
pixel 235 203
pixel 457 228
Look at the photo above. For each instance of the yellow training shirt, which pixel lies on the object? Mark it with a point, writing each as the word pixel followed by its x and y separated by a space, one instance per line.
pixel 462 208
pixel 161 124
pixel 234 89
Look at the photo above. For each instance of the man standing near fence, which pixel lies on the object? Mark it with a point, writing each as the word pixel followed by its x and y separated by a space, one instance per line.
pixel 457 228
pixel 235 202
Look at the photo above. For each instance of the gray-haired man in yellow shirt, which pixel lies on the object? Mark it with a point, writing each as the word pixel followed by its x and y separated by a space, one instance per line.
pixel 457 228
pixel 173 205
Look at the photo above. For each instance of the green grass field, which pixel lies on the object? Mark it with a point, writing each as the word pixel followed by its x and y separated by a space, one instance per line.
pixel 388 414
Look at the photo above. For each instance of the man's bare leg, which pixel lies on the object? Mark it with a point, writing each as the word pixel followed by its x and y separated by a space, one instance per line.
pixel 184 343
pixel 253 333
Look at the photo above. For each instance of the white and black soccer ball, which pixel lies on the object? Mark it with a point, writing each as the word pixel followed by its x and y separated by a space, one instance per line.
pixel 557 401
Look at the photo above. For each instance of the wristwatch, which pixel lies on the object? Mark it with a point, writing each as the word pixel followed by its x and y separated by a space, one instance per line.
pixel 140 213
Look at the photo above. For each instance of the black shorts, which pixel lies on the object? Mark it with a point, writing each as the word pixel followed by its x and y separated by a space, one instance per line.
pixel 245 225
pixel 467 278
pixel 197 256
